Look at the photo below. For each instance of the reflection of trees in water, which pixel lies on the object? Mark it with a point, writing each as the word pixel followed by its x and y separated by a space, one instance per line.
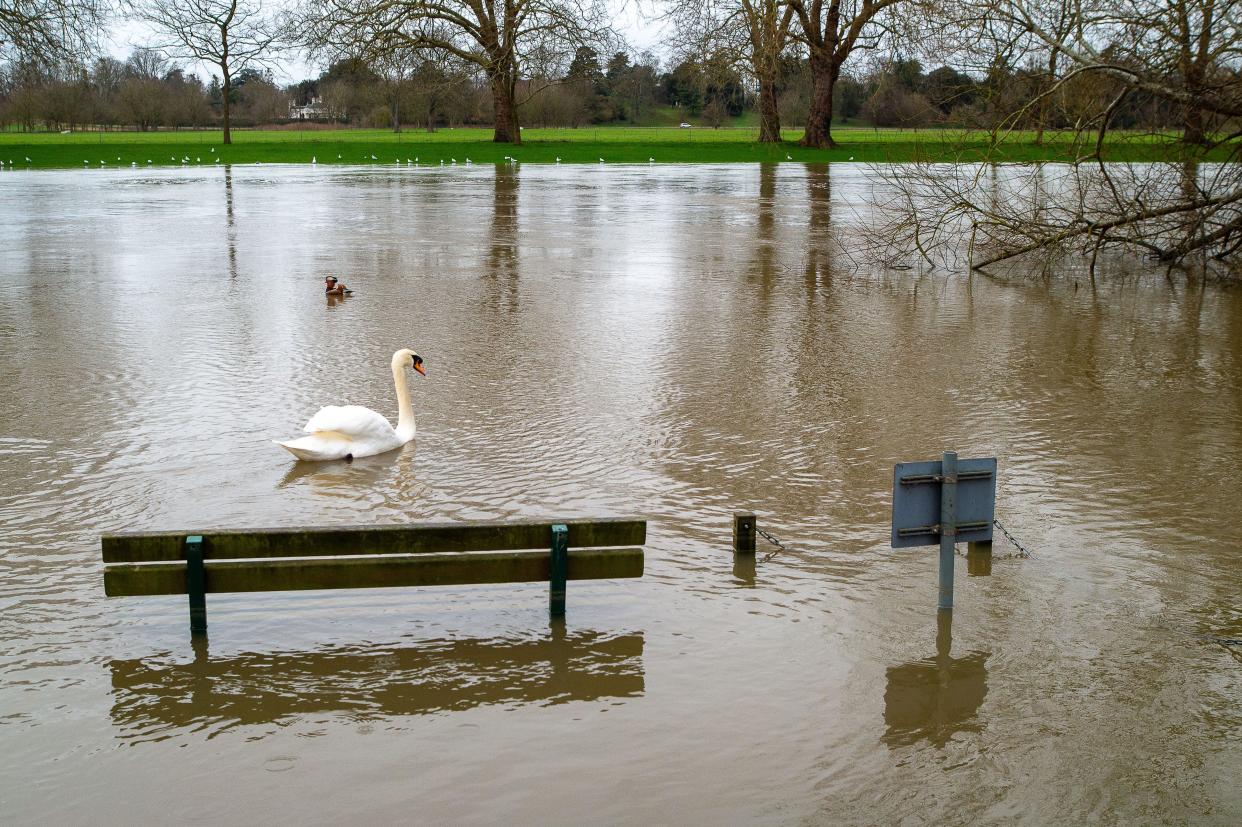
pixel 766 249
pixel 502 257
pixel 231 225
pixel 260 688
pixel 764 421
pixel 822 239
pixel 934 698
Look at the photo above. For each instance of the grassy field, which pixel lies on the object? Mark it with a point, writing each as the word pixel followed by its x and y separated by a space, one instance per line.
pixel 625 145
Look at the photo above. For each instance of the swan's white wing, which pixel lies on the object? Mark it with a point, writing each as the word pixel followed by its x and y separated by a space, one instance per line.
pixel 350 421
pixel 320 446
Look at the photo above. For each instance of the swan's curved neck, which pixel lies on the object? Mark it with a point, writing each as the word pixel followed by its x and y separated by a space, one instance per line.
pixel 405 410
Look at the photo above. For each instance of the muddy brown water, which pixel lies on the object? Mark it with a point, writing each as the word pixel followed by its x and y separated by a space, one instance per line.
pixel 669 342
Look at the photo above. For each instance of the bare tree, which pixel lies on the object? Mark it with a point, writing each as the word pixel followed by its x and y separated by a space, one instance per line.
pixel 230 34
pixel 50 31
pixel 141 95
pixel 831 30
pixel 1184 51
pixel 1176 56
pixel 505 39
pixel 753 34
pixel 394 70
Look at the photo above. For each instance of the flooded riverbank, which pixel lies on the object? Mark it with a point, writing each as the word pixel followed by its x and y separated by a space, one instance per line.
pixel 675 343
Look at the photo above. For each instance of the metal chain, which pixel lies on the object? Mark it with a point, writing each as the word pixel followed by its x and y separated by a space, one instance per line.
pixel 779 546
pixel 1023 551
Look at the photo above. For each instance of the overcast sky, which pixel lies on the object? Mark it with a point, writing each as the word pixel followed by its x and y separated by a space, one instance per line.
pixel 641 32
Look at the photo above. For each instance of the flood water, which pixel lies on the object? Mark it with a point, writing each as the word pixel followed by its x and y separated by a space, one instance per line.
pixel 674 343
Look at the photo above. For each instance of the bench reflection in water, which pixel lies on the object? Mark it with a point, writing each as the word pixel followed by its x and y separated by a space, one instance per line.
pixel 934 698
pixel 152 696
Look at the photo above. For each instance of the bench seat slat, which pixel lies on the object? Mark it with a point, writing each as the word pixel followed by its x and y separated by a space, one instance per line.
pixel 150 547
pixel 451 569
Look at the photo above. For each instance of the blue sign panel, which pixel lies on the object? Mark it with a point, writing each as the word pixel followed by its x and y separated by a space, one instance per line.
pixel 917 501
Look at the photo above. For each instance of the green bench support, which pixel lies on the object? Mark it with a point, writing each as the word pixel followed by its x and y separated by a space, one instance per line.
pixel 356 557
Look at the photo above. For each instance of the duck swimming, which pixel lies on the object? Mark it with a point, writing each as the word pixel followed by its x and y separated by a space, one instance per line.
pixel 332 287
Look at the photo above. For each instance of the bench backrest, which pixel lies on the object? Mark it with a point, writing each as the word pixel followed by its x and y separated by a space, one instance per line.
pixel 279 559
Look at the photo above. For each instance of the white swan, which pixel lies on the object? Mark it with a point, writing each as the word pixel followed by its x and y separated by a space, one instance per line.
pixel 350 431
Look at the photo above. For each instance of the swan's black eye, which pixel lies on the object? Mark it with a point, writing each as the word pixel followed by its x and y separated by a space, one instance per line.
pixel 418 360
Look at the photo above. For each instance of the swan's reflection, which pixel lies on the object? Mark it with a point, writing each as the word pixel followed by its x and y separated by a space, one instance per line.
pixel 347 477
pixel 150 697
pixel 934 698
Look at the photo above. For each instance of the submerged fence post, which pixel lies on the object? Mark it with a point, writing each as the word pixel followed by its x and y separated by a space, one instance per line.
pixel 979 558
pixel 743 533
pixel 559 572
pixel 979 563
pixel 196 584
pixel 948 526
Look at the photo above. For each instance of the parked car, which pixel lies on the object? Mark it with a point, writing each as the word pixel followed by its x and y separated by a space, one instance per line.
pixel 685 125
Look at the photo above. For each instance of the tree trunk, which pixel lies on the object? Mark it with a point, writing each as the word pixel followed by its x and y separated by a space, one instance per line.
pixel 819 120
pixel 227 87
pixel 1193 131
pixel 503 96
pixel 769 113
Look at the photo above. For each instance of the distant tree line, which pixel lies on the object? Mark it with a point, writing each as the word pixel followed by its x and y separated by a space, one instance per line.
pixel 434 63
pixel 148 91
pixel 144 92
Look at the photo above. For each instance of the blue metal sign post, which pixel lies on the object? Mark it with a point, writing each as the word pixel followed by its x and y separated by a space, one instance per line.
pixel 944 502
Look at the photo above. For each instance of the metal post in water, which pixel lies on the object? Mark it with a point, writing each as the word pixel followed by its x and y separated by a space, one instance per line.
pixel 948 526
pixel 944 633
pixel 559 572
pixel 196 584
pixel 743 533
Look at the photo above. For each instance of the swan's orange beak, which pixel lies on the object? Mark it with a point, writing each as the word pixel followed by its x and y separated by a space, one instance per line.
pixel 419 367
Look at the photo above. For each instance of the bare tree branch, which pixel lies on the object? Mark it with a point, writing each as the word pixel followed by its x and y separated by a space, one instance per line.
pixel 230 34
pixel 51 31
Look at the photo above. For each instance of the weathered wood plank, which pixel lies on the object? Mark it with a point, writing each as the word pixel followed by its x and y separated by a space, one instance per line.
pixel 157 546
pixel 130 579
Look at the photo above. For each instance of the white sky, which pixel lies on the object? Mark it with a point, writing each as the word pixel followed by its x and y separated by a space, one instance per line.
pixel 634 23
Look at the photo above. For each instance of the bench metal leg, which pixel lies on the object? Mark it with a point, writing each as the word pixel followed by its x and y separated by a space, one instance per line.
pixel 196 584
pixel 559 570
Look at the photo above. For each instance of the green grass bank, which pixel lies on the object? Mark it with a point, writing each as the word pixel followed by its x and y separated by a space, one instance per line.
pixel 619 145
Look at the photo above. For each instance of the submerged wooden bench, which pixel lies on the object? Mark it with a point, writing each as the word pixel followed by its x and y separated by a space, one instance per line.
pixel 359 557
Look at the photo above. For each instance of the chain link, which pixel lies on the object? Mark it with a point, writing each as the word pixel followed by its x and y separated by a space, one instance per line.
pixel 1023 551
pixel 779 545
